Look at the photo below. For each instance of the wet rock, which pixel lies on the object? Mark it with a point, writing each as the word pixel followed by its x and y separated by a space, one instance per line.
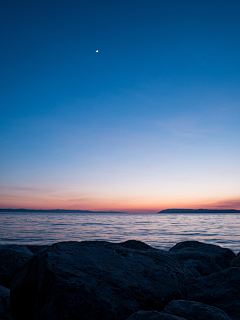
pixel 13 258
pixel 221 289
pixel 96 280
pixel 5 304
pixel 201 259
pixel 191 310
pixel 153 315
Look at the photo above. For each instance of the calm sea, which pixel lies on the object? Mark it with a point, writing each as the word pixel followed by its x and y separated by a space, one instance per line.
pixel 158 230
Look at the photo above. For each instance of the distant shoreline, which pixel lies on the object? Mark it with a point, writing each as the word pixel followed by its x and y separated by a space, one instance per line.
pixel 56 211
pixel 176 211
pixel 199 211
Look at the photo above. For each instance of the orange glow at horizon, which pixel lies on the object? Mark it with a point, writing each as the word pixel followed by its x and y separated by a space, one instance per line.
pixel 124 204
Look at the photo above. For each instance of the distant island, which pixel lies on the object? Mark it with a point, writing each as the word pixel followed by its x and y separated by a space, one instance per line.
pixel 199 211
pixel 56 211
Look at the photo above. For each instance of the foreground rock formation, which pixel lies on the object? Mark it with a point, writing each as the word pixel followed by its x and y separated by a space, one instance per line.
pixel 201 259
pixel 12 259
pixel 195 310
pixel 153 315
pixel 5 310
pixel 221 289
pixel 119 281
pixel 236 261
pixel 98 280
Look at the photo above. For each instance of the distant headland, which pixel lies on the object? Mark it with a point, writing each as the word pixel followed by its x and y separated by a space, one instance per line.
pixel 199 211
pixel 56 211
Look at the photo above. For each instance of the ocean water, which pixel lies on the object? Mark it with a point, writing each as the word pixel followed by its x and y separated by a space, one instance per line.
pixel 158 230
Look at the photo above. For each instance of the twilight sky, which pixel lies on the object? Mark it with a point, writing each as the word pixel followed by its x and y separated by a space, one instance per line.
pixel 150 121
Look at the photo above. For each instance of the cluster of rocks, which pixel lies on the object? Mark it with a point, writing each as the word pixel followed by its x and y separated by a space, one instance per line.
pixel 96 280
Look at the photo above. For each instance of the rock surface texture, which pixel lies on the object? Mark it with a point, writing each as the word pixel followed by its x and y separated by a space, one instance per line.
pixel 96 280
pixel 5 304
pixel 221 289
pixel 191 310
pixel 153 315
pixel 200 259
pixel 13 258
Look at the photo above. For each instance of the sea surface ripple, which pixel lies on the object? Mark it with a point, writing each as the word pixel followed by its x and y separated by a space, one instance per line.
pixel 158 230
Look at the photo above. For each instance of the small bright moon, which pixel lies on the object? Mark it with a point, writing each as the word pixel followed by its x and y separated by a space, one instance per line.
pixel 97 51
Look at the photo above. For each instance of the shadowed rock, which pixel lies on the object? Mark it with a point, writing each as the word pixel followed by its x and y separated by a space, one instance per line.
pixel 13 258
pixel 236 261
pixel 5 304
pixel 219 289
pixel 135 244
pixel 35 248
pixel 201 259
pixel 153 315
pixel 191 310
pixel 96 280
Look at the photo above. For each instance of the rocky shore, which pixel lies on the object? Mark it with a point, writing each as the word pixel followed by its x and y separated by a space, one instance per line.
pixel 96 280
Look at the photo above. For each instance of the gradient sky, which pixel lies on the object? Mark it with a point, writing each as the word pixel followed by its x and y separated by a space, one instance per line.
pixel 151 121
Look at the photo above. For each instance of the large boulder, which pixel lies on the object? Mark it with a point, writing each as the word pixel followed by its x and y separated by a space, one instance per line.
pixel 221 289
pixel 201 259
pixel 191 310
pixel 5 304
pixel 152 315
pixel 13 258
pixel 96 280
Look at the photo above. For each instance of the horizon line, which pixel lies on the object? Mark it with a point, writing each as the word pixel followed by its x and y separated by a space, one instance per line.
pixel 174 210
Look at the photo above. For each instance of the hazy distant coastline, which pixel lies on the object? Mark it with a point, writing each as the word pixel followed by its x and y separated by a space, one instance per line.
pixel 189 211
pixel 199 211
pixel 56 211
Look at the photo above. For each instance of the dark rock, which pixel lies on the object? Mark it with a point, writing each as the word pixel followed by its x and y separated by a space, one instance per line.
pixel 95 280
pixel 36 248
pixel 135 244
pixel 201 259
pixel 5 304
pixel 221 289
pixel 13 258
pixel 192 310
pixel 236 261
pixel 152 315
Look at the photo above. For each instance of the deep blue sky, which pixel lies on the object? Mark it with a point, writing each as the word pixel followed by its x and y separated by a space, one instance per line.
pixel 148 122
